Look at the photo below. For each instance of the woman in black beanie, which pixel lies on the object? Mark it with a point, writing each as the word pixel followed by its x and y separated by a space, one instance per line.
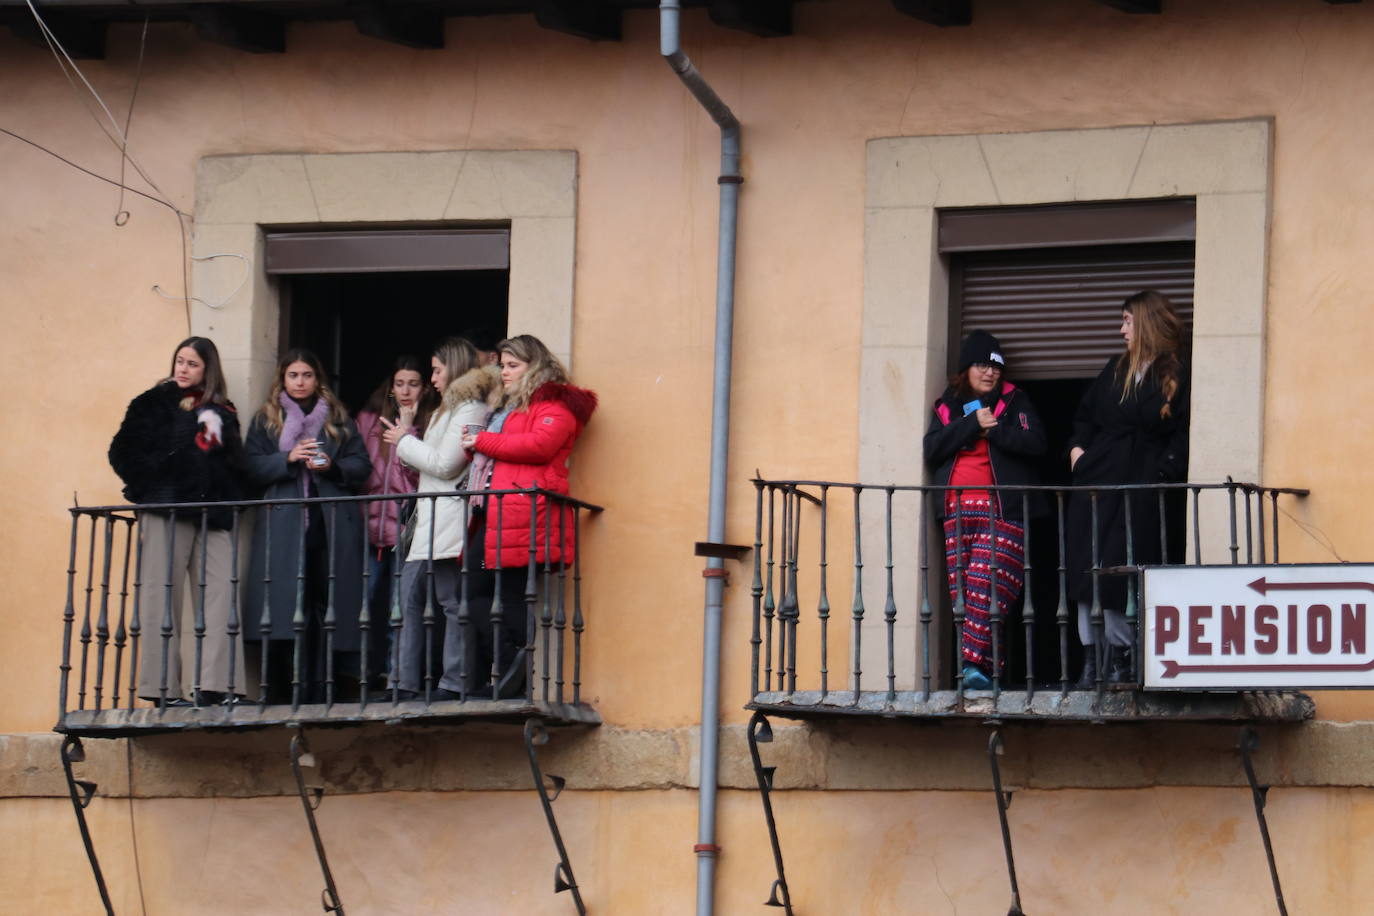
pixel 984 431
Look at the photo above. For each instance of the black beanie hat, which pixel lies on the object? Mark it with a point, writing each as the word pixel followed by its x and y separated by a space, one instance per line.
pixel 980 347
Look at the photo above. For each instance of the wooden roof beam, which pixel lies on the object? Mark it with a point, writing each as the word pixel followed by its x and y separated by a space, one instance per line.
pixel 1151 7
pixel 938 12
pixel 412 28
pixel 247 30
pixel 583 18
pixel 764 18
pixel 83 38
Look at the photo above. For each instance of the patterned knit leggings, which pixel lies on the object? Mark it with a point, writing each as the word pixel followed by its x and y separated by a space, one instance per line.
pixel 974 521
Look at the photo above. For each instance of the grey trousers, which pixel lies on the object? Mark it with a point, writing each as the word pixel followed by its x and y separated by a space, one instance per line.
pixel 161 600
pixel 414 581
pixel 1114 623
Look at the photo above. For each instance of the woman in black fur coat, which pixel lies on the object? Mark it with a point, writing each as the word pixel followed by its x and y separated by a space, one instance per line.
pixel 179 443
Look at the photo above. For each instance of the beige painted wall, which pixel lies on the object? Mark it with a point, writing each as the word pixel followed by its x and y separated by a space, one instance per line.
pixel 84 332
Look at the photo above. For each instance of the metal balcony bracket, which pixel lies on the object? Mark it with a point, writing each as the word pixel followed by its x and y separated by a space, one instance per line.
pixel 761 732
pixel 82 791
pixel 311 796
pixel 1003 803
pixel 549 788
pixel 1249 743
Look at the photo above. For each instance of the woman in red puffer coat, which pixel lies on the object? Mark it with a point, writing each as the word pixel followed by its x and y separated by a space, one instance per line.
pixel 526 444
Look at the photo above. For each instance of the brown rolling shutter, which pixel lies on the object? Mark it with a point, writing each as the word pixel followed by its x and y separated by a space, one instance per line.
pixel 1057 311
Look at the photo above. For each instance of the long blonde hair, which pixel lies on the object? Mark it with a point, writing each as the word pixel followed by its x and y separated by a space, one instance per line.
pixel 544 367
pixel 1156 336
pixel 335 424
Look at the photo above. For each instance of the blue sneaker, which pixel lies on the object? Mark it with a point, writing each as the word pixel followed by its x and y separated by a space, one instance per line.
pixel 975 679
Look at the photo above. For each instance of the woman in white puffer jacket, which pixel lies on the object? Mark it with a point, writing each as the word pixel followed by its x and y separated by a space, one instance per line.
pixel 439 521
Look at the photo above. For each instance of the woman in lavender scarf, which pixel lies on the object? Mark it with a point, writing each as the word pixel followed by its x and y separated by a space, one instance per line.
pixel 302 443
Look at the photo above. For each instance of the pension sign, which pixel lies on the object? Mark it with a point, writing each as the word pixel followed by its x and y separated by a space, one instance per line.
pixel 1257 627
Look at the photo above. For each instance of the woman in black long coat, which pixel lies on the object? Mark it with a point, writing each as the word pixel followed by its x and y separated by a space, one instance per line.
pixel 1131 428
pixel 303 443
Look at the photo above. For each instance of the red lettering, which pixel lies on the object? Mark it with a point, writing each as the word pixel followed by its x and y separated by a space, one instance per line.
pixel 1352 628
pixel 1197 613
pixel 1292 629
pixel 1319 629
pixel 1166 627
pixel 1233 629
pixel 1266 631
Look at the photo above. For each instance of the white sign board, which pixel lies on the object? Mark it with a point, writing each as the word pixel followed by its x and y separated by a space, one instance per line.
pixel 1258 627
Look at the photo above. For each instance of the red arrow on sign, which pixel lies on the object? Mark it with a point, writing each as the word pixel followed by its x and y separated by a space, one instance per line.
pixel 1173 668
pixel 1264 587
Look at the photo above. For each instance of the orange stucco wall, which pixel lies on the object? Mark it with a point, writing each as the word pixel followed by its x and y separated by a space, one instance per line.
pixel 84 332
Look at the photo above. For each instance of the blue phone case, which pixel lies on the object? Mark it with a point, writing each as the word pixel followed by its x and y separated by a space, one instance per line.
pixel 971 406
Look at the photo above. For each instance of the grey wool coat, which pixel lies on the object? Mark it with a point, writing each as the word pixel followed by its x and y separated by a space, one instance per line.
pixel 268 474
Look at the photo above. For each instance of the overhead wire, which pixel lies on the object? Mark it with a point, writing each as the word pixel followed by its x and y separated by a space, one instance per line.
pixel 128 121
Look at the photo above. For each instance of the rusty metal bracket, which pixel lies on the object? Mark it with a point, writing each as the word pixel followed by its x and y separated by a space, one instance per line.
pixel 549 788
pixel 300 759
pixel 1249 743
pixel 82 791
pixel 1003 803
pixel 761 731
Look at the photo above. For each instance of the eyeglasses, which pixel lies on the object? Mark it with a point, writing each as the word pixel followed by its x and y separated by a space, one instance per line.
pixel 987 367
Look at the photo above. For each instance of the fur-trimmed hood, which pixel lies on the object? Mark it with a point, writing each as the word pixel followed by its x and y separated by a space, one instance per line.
pixel 581 402
pixel 480 384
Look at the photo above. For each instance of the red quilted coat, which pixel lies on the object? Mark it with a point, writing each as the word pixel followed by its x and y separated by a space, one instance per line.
pixel 532 449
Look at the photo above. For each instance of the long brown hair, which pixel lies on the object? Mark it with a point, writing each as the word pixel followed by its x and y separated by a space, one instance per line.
pixel 544 367
pixel 335 424
pixel 213 384
pixel 1156 336
pixel 459 357
pixel 382 403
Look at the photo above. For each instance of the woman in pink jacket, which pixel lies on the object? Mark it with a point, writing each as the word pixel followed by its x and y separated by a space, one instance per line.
pixel 402 396
pixel 526 444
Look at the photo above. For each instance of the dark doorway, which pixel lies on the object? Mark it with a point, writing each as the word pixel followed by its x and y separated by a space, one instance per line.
pixel 359 323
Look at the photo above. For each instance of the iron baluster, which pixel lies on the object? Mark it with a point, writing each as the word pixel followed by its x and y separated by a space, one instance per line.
pixel 1132 578
pixel 1259 528
pixel 135 623
pixel 1197 530
pixel 1249 530
pixel 1249 743
pixel 81 792
pixel 1235 545
pixel 498 610
pixel 121 637
pixel 1003 803
pixel 198 613
pixel 1099 649
pixel 890 605
pixel 537 735
pixel 85 634
pixel 1274 496
pixel 960 608
pixel 995 617
pixel 1061 612
pixel 68 621
pixel 265 618
pixel 857 609
pixel 560 620
pixel 791 605
pixel 768 602
pixel 102 623
pixel 524 655
pixel 546 609
pixel 428 618
pixel 395 621
pixel 756 591
pixel 298 625
pixel 232 628
pixel 365 605
pixel 784 630
pixel 1027 609
pixel 761 732
pixel 330 613
pixel 823 602
pixel 923 587
pixel 464 621
pixel 300 759
pixel 578 623
pixel 167 610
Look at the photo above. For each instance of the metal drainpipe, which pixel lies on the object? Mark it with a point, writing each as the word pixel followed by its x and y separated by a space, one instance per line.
pixel 729 181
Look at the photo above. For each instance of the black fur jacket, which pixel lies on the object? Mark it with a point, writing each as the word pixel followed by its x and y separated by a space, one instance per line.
pixel 168 450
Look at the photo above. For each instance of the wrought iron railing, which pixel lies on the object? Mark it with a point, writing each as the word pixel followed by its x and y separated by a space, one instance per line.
pixel 816 541
pixel 110 613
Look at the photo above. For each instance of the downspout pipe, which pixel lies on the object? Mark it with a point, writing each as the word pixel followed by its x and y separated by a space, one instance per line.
pixel 730 179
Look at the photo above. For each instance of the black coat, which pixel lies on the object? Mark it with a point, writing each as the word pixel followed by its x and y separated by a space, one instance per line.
pixel 1017 438
pixel 267 470
pixel 157 455
pixel 1123 442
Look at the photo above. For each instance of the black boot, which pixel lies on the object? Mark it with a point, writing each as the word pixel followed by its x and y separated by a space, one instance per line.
pixel 1120 670
pixel 1088 679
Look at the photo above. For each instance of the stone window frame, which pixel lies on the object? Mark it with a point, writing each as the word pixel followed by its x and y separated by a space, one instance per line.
pixel 1225 166
pixel 534 191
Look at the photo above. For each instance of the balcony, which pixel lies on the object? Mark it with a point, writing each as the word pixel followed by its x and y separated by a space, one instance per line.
pixel 852 613
pixel 110 616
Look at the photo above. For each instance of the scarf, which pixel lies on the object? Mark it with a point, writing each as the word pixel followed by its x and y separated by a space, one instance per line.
pixel 479 477
pixel 297 425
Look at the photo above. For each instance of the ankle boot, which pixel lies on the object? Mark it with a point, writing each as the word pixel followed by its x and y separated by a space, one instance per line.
pixel 1120 670
pixel 1088 679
